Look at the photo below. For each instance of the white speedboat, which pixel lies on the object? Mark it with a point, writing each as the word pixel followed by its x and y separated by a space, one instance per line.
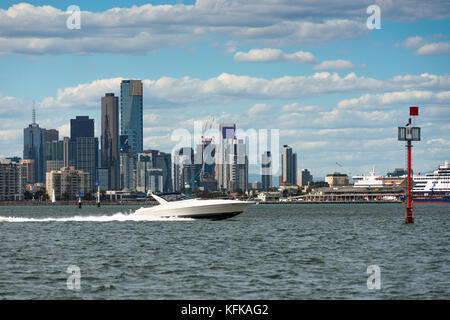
pixel 195 208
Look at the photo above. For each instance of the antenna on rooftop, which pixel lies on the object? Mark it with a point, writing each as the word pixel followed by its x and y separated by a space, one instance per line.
pixel 33 113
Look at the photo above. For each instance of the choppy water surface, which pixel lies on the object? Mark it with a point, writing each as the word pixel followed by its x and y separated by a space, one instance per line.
pixel 268 252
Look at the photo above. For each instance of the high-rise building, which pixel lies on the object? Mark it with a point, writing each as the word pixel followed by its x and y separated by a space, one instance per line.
pixel 29 169
pixel 67 182
pixel 131 114
pixel 34 148
pixel 81 126
pixel 127 165
pixel 51 135
pixel 13 177
pixel 289 165
pixel 203 171
pixel 54 155
pixel 182 158
pixel 110 139
pixel 159 160
pixel 304 177
pixel 231 160
pixel 266 170
pixel 148 178
pixel 86 146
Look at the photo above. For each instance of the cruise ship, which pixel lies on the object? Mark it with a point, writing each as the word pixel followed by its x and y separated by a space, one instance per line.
pixel 433 187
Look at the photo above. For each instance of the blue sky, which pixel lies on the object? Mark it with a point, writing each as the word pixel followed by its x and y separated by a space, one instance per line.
pixel 336 90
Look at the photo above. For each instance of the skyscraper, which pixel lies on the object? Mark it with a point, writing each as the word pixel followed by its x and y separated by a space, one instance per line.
pixel 110 139
pixel 34 148
pixel 231 160
pixel 86 146
pixel 289 165
pixel 131 114
pixel 266 170
pixel 127 165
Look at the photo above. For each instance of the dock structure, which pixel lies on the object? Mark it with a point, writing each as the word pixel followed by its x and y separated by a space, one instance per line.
pixel 351 194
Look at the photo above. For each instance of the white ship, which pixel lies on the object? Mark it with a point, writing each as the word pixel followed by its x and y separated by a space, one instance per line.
pixel 374 181
pixel 433 187
pixel 196 208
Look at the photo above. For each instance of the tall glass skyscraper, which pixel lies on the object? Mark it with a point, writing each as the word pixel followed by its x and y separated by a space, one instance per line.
pixel 131 114
pixel 86 146
pixel 110 139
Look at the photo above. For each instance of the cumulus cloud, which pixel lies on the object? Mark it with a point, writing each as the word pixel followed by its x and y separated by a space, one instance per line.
pixel 167 92
pixel 334 65
pixel 424 47
pixel 259 108
pixel 390 99
pixel 273 55
pixel 434 49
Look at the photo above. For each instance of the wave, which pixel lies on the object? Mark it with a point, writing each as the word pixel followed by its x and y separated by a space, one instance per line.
pixel 105 218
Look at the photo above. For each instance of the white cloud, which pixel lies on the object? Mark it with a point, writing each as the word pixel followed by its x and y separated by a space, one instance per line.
pixel 259 108
pixel 334 65
pixel 434 49
pixel 273 55
pixel 424 47
pixel 412 42
pixel 398 98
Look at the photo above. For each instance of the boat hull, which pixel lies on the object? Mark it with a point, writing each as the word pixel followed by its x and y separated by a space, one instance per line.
pixel 429 199
pixel 197 209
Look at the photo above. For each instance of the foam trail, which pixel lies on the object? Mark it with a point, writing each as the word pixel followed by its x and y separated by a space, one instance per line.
pixel 105 218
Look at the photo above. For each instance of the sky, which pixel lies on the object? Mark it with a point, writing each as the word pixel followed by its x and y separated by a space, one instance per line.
pixel 334 88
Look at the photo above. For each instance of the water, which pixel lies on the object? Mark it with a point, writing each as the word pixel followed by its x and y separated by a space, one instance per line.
pixel 268 252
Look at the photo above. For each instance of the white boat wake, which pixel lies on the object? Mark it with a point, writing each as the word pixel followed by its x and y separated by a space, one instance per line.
pixel 104 218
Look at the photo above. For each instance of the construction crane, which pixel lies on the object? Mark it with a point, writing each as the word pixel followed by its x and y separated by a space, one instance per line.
pixel 340 165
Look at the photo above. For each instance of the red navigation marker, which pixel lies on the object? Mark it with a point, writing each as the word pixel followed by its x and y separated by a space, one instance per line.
pixel 413 111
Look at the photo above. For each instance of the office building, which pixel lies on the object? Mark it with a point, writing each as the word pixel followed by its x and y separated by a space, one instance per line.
pixel 304 177
pixel 289 165
pixel 34 148
pixel 266 171
pixel 155 159
pixel 148 178
pixel 127 165
pixel 85 146
pixel 131 114
pixel 182 158
pixel 110 139
pixel 29 169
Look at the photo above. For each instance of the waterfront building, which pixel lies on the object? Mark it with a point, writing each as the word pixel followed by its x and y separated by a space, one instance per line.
pixel 103 179
pixel 266 170
pixel 131 114
pixel 289 165
pixel 110 139
pixel 67 182
pixel 13 177
pixel 337 179
pixel 304 177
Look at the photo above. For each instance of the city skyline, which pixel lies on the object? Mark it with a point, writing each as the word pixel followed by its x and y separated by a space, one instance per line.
pixel 335 96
